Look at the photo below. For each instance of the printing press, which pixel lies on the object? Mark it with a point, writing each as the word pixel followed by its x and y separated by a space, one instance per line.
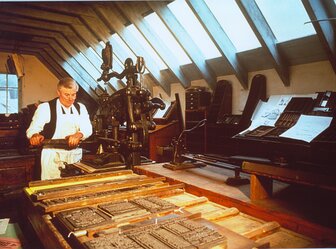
pixel 124 119
pixel 298 135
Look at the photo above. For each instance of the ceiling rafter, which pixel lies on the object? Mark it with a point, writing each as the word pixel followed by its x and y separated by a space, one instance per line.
pixel 68 53
pixel 37 51
pixel 47 59
pixel 71 71
pixel 112 16
pixel 220 39
pixel 67 47
pixel 85 14
pixel 265 36
pixel 69 21
pixel 65 29
pixel 32 47
pixel 185 41
pixel 92 22
pixel 130 10
pixel 58 41
pixel 325 30
pixel 56 21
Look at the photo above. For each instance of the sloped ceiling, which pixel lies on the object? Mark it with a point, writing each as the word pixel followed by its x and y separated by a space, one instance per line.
pixel 56 33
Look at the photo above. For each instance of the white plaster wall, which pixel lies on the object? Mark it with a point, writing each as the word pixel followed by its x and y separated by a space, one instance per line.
pixel 38 83
pixel 304 79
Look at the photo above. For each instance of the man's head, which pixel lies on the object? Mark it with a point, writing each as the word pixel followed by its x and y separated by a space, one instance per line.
pixel 67 91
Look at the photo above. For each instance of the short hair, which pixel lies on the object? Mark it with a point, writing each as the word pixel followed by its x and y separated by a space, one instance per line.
pixel 67 82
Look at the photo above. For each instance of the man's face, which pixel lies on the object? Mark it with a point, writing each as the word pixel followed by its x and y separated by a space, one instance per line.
pixel 67 96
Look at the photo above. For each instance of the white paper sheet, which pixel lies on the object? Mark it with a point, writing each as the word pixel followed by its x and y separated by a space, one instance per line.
pixel 307 128
pixel 159 113
pixel 3 225
pixel 267 113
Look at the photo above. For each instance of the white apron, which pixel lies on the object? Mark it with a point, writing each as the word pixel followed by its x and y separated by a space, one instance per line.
pixel 53 159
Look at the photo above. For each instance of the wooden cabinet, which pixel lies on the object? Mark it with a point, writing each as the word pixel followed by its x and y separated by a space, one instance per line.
pixel 15 173
pixel 162 136
pixel 196 139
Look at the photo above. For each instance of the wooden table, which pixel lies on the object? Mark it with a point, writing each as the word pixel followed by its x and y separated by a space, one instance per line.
pixel 262 176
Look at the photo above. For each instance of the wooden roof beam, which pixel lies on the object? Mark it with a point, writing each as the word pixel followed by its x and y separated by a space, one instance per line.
pixel 130 10
pixel 265 36
pixel 50 38
pixel 84 12
pixel 43 56
pixel 35 48
pixel 220 39
pixel 185 40
pixel 325 30
pixel 71 71
pixel 59 22
pixel 65 29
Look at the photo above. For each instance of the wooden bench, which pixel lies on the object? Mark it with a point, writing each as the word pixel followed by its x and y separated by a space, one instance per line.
pixel 262 176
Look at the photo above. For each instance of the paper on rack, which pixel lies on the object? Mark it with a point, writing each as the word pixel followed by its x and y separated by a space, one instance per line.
pixel 267 113
pixel 3 225
pixel 307 128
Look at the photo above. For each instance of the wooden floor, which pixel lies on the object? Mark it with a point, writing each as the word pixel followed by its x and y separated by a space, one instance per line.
pixel 305 210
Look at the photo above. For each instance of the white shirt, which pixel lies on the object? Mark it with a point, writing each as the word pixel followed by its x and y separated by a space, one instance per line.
pixel 68 122
pixel 78 122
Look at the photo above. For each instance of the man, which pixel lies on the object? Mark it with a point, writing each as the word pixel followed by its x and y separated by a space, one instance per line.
pixel 60 118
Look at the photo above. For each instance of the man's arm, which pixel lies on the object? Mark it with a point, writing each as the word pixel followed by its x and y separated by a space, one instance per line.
pixel 40 118
pixel 84 128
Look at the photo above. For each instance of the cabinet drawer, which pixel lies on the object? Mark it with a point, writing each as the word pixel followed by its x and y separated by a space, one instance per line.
pixel 13 176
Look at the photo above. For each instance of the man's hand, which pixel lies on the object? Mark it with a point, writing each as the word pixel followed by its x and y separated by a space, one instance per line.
pixel 73 140
pixel 36 139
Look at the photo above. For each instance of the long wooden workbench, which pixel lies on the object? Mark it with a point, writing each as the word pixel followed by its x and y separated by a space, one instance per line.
pixel 210 181
pixel 56 211
pixel 49 204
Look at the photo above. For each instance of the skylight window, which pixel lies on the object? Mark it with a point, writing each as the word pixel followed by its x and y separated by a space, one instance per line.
pixel 191 24
pixel 95 54
pixel 121 49
pixel 147 47
pixel 83 61
pixel 286 19
pixel 234 24
pixel 161 30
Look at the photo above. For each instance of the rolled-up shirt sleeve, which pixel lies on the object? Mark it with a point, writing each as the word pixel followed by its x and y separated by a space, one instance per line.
pixel 40 118
pixel 85 126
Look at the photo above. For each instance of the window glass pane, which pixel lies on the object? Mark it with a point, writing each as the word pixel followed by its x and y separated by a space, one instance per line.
pixel 117 65
pixel 9 102
pixel 3 101
pixel 3 79
pixel 146 46
pixel 12 80
pixel 120 53
pixel 121 49
pixel 286 18
pixel 13 101
pixel 169 40
pixel 191 24
pixel 234 24
pixel 83 61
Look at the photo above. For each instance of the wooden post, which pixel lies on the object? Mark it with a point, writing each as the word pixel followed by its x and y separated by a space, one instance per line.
pixel 261 187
